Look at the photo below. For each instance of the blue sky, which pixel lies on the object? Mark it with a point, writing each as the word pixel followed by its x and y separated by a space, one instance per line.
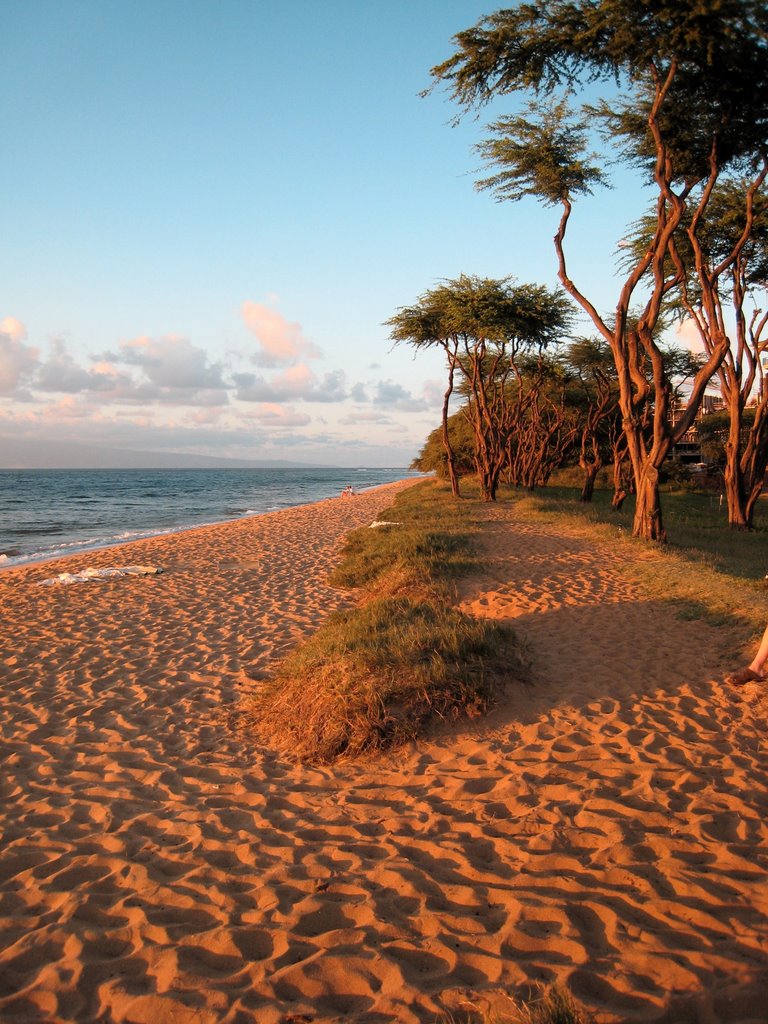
pixel 209 209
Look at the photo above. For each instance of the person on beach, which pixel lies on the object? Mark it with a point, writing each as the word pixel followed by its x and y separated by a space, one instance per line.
pixel 753 673
pixel 348 491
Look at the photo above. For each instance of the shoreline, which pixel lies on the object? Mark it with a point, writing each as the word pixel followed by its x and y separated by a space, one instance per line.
pixel 97 547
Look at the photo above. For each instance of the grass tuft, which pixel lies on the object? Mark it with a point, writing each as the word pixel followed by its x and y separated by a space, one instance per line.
pixel 552 1005
pixel 376 676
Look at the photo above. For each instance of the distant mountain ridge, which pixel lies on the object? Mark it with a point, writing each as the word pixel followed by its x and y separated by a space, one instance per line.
pixel 23 453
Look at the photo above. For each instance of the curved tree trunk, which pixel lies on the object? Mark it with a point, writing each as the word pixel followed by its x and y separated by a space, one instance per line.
pixel 751 501
pixel 590 475
pixel 618 499
pixel 450 457
pixel 647 523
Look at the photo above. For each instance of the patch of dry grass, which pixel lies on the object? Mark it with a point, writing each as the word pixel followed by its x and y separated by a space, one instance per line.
pixel 377 675
pixel 551 1005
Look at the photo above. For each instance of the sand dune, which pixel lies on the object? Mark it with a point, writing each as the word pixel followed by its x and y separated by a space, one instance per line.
pixel 606 828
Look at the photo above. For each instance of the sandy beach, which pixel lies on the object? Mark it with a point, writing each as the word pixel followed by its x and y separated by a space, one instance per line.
pixel 606 828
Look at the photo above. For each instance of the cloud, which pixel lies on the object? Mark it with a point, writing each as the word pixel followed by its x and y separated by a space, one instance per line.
pixel 17 360
pixel 367 416
pixel 332 388
pixel 396 398
pixel 294 383
pixel 174 372
pixel 60 373
pixel 433 391
pixel 170 362
pixel 272 415
pixel 281 342
pixel 687 334
pixel 14 328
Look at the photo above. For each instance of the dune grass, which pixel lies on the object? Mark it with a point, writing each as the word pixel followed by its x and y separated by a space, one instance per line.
pixel 551 1005
pixel 379 674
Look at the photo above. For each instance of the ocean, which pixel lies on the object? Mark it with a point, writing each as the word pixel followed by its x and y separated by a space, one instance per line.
pixel 50 513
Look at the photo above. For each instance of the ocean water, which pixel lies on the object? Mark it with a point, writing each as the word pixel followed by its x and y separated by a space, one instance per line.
pixel 49 513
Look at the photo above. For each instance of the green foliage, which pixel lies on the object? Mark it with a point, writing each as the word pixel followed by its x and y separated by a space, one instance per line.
pixel 432 457
pixel 490 330
pixel 543 157
pixel 493 310
pixel 377 675
pixel 686 98
pixel 713 434
pixel 715 51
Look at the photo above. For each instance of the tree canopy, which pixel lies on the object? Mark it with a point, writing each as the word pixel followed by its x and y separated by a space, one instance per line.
pixel 685 98
pixel 485 326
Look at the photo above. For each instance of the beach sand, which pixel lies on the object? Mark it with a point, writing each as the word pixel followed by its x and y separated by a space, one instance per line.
pixel 604 829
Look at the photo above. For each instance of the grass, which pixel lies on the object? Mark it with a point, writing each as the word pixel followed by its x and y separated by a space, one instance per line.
pixel 552 1005
pixel 706 570
pixel 378 675
pixel 696 525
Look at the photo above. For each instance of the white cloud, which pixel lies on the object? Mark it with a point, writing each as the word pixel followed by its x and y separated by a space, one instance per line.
pixel 17 360
pixel 433 391
pixel 60 373
pixel 367 416
pixel 14 328
pixel 273 415
pixel 687 334
pixel 171 362
pixel 281 341
pixel 294 383
pixel 168 393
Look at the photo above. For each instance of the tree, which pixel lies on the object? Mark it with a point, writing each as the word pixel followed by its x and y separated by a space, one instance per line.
pixel 741 374
pixel 592 365
pixel 547 422
pixel 694 105
pixel 432 457
pixel 484 325
pixel 430 324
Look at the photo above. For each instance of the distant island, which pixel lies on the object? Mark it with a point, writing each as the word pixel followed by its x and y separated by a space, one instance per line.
pixel 23 453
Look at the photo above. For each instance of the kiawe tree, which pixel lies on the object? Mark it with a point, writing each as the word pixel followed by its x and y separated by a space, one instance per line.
pixel 741 375
pixel 592 366
pixel 484 326
pixel 692 77
pixel 432 323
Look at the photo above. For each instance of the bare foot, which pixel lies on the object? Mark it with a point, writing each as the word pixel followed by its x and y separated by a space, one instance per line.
pixel 745 675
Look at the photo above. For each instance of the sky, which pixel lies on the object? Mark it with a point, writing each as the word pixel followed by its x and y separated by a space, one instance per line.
pixel 209 209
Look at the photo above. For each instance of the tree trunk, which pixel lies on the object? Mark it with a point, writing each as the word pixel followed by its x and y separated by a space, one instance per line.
pixel 734 496
pixel 754 460
pixel 618 499
pixel 751 502
pixel 619 490
pixel 648 523
pixel 450 458
pixel 486 476
pixel 590 475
